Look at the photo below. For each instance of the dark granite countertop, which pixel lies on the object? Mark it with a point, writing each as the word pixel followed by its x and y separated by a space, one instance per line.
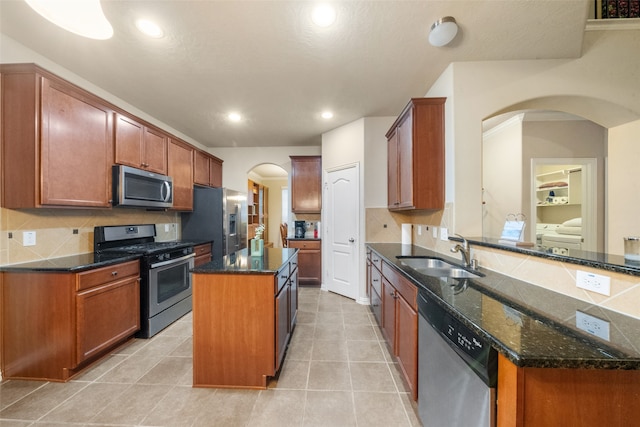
pixel 242 263
pixel 604 261
pixel 70 264
pixel 530 325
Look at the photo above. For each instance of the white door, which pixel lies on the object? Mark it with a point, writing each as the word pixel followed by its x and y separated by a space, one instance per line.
pixel 342 196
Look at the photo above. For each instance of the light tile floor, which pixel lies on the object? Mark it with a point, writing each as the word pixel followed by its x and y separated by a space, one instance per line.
pixel 337 372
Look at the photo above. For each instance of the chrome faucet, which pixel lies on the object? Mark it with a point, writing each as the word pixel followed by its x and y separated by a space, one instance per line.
pixel 464 250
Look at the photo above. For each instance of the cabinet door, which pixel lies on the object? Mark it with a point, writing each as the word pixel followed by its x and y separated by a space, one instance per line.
pixel 201 172
pixel 310 267
pixel 129 140
pixel 105 315
pixel 155 151
pixel 407 343
pixel 180 168
pixel 282 323
pixel 393 197
pixel 293 303
pixel 215 172
pixel 389 313
pixel 203 254
pixel 405 160
pixel 76 144
pixel 306 184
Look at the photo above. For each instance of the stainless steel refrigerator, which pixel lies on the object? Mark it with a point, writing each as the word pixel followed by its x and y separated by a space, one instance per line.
pixel 219 215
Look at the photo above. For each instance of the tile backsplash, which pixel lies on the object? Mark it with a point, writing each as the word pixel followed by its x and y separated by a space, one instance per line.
pixel 63 232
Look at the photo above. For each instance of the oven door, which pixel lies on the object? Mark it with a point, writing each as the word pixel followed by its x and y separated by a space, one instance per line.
pixel 169 283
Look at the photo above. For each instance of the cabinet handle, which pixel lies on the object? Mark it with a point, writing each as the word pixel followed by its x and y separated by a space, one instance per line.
pixel 374 280
pixel 114 273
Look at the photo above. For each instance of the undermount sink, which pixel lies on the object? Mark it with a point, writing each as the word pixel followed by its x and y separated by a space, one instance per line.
pixel 436 267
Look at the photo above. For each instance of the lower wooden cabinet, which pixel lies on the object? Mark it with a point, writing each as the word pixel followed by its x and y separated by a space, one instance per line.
pixel 309 259
pixel 398 315
pixel 203 254
pixel 55 323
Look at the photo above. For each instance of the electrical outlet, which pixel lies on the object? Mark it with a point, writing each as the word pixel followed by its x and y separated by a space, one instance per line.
pixel 166 228
pixel 28 238
pixel 419 230
pixel 434 232
pixel 593 282
pixel 444 233
pixel 592 325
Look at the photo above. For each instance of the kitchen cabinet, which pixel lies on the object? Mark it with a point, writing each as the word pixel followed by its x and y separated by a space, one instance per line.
pixel 139 145
pixel 57 142
pixel 306 184
pixel 242 322
pixel 374 284
pixel 416 157
pixel 540 397
pixel 309 260
pixel 208 170
pixel 203 254
pixel 55 323
pixel 180 169
pixel 399 318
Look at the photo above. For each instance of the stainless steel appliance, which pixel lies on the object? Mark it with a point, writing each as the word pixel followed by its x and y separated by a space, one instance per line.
pixel 219 215
pixel 457 370
pixel 300 229
pixel 165 287
pixel 139 188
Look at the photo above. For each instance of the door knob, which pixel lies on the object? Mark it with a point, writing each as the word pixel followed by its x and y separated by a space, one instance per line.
pixel 352 240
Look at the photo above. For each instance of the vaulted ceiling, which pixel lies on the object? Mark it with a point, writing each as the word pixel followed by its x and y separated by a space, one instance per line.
pixel 267 61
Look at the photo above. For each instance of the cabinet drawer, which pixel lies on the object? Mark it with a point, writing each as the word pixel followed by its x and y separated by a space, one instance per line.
pixel 376 260
pixel 305 244
pixel 103 275
pixel 376 281
pixel 282 277
pixel 405 288
pixel 202 249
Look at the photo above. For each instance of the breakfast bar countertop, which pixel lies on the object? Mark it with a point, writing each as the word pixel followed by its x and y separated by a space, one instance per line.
pixel 242 262
pixel 530 325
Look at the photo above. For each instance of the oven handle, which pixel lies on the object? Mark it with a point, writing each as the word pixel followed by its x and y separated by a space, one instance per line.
pixel 172 261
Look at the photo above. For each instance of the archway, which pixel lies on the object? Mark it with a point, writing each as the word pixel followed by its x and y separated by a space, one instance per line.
pixel 268 202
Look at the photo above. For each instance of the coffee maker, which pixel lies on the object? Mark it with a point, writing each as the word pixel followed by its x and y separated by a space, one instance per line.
pixel 300 228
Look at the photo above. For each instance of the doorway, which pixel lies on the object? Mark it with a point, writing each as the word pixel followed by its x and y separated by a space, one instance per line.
pixel 265 184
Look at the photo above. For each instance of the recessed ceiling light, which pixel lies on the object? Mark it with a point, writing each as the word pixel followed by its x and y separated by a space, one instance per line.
pixel 323 15
pixel 234 117
pixel 82 17
pixel 149 28
pixel 327 114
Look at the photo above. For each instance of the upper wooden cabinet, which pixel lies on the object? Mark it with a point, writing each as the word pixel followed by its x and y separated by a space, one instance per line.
pixel 415 156
pixel 57 142
pixel 306 184
pixel 208 170
pixel 180 168
pixel 140 146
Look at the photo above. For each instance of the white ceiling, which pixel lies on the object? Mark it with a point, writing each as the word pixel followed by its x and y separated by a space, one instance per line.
pixel 266 60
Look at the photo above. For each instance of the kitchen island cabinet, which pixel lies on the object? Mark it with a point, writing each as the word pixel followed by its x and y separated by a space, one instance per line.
pixel 57 321
pixel 244 311
pixel 57 142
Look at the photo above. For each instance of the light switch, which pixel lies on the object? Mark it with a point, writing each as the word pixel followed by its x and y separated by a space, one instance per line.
pixel 28 238
pixel 444 233
pixel 434 232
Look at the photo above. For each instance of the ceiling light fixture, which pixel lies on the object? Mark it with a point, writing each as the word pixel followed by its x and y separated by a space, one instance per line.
pixel 82 17
pixel 323 15
pixel 234 117
pixel 327 115
pixel 443 31
pixel 149 28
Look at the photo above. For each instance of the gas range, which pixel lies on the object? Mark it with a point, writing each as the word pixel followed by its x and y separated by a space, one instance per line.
pixel 165 285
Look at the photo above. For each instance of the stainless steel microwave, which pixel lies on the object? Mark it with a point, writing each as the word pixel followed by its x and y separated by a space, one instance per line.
pixel 138 188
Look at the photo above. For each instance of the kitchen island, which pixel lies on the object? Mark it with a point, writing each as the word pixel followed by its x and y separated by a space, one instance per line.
pixel 244 311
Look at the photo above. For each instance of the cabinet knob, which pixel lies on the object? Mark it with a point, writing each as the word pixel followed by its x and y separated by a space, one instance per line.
pixel 114 273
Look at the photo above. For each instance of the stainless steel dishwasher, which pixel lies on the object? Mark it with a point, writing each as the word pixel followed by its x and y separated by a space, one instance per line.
pixel 457 371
